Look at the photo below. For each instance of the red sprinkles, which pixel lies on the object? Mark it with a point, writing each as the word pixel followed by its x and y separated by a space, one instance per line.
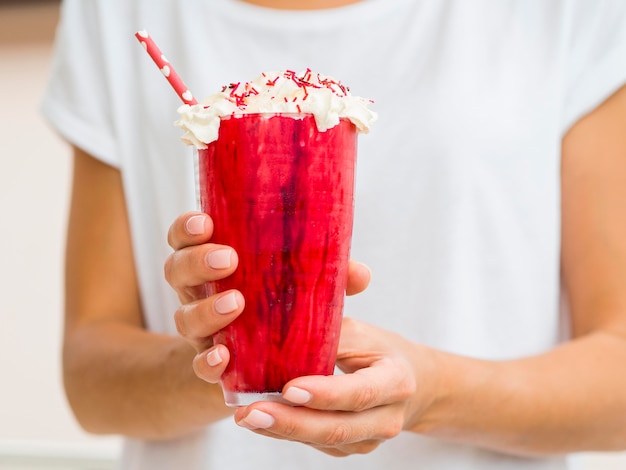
pixel 239 93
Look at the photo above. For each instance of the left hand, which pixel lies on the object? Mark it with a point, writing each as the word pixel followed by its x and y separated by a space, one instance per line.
pixel 354 413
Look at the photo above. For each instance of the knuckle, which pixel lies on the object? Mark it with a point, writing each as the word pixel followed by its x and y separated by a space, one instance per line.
pixel 365 397
pixel 200 367
pixel 392 428
pixel 173 237
pixel 404 389
pixel 350 323
pixel 168 268
pixel 179 320
pixel 406 386
pixel 289 430
pixel 355 327
pixel 203 371
pixel 339 436
pixel 197 366
pixel 170 236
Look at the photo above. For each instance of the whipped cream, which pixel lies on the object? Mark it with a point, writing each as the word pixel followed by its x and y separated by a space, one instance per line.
pixel 283 92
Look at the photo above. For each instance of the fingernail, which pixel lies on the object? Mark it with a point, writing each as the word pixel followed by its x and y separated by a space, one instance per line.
pixel 219 259
pixel 226 303
pixel 257 419
pixel 195 225
pixel 297 395
pixel 214 358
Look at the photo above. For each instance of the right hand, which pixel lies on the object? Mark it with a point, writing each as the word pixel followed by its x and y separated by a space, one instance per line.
pixel 194 262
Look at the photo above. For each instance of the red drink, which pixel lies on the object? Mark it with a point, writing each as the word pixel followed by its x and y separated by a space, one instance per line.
pixel 281 194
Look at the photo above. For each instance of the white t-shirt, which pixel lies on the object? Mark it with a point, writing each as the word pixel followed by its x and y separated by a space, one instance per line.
pixel 457 198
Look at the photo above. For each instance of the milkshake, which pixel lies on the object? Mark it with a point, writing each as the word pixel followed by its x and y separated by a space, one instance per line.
pixel 276 163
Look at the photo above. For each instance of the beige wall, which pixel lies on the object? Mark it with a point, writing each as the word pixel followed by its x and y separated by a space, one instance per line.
pixel 34 184
pixel 37 430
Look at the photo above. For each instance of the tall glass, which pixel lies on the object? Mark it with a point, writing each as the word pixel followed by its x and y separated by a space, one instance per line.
pixel 281 193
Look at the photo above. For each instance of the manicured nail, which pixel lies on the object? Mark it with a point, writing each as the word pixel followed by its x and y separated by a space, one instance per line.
pixel 297 395
pixel 226 303
pixel 257 419
pixel 219 259
pixel 195 225
pixel 214 358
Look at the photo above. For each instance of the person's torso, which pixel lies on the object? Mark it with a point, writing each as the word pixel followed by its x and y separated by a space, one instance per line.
pixel 457 196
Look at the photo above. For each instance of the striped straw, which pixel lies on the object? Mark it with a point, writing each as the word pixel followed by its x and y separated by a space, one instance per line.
pixel 165 67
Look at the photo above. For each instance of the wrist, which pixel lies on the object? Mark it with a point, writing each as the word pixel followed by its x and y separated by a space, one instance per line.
pixel 446 385
pixel 423 409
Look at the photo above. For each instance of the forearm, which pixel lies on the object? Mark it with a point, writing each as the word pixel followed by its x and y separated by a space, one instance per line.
pixel 120 379
pixel 568 399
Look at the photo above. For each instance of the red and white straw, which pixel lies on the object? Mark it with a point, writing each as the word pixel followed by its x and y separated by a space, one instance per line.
pixel 165 67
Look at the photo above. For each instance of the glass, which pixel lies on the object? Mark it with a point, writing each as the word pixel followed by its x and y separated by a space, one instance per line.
pixel 281 193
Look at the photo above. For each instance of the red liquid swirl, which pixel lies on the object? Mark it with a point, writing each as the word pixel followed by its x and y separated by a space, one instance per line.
pixel 281 194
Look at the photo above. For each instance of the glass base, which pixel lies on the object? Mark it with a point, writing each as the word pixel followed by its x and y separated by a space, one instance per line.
pixel 235 399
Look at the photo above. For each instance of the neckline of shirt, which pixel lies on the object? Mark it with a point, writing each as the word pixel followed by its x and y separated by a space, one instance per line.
pixel 303 20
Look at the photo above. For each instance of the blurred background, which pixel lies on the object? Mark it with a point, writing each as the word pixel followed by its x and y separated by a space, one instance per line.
pixel 37 430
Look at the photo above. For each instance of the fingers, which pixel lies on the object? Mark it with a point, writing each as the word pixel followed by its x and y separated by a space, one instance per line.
pixel 338 433
pixel 344 414
pixel 385 381
pixel 195 265
pixel 192 228
pixel 199 320
pixel 359 276
pixel 360 340
pixel 377 374
pixel 195 261
pixel 210 364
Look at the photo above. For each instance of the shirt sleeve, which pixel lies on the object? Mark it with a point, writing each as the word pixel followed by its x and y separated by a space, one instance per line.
pixel 76 102
pixel 596 56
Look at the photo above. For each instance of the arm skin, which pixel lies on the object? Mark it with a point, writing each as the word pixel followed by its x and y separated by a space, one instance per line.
pixel 120 378
pixel 571 398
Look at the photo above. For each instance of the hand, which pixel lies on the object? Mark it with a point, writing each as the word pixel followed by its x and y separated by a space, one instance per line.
pixel 374 401
pixel 196 261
